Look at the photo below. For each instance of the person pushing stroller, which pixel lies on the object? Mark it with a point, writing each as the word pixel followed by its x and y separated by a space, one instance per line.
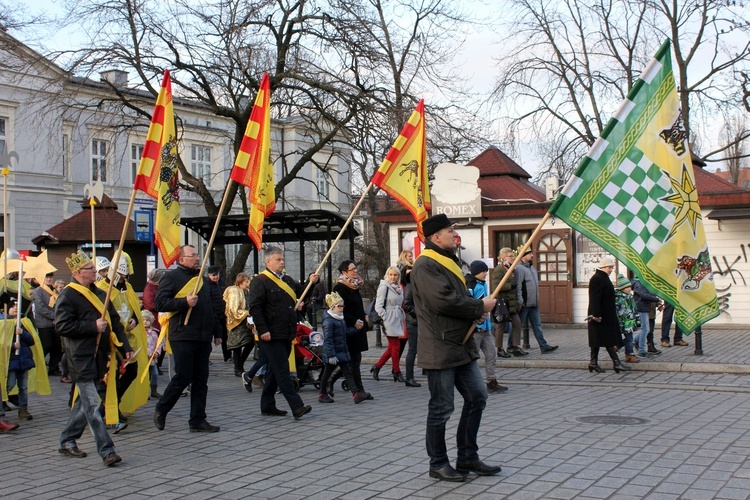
pixel 335 351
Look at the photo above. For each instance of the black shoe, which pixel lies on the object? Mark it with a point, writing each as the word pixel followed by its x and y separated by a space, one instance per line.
pixel 501 353
pixel 399 377
pixel 653 350
pixel 274 412
pixel 112 459
pixel 238 373
pixel 205 427
pixel 302 410
pixel 369 396
pixel 479 467
pixel 375 371
pixel 447 473
pixel 549 348
pixel 72 452
pixel 160 420
pixel 518 352
pixel 247 382
pixel 13 399
pixel 410 382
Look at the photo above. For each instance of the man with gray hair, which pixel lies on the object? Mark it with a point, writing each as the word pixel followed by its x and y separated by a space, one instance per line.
pixel 273 304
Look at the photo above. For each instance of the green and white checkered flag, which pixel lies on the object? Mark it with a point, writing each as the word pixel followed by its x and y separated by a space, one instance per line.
pixel 634 194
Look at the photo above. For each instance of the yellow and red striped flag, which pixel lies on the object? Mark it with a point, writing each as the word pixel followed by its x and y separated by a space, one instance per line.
pixel 403 173
pixel 157 173
pixel 253 167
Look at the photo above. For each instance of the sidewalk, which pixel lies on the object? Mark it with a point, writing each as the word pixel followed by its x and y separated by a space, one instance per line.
pixel 726 349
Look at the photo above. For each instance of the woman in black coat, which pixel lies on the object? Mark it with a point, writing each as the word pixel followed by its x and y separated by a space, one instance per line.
pixel 604 328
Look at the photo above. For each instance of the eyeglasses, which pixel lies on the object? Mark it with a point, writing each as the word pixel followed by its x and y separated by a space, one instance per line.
pixel 351 269
pixel 339 306
pixel 191 256
pixel 87 268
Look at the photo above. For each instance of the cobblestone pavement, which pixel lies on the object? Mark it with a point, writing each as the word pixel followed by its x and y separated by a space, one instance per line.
pixel 559 433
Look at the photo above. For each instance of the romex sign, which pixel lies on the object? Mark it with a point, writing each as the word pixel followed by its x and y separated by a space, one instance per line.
pixel 455 191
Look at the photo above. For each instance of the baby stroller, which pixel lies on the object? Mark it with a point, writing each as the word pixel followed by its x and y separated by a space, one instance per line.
pixel 308 347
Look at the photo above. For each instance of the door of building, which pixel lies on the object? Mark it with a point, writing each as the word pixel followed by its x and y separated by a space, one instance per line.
pixel 554 261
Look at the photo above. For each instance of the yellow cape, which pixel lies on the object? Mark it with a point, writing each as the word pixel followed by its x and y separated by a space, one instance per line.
pixel 38 380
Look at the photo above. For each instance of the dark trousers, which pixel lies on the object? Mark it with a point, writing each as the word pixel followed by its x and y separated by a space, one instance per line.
pixel 224 350
pixel 277 376
pixel 345 370
pixel 191 367
pixel 666 324
pixel 51 345
pixel 411 356
pixel 240 355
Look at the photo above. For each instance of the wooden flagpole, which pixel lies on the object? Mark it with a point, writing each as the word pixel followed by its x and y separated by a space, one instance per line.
pixel 333 245
pixel 211 242
pixel 526 245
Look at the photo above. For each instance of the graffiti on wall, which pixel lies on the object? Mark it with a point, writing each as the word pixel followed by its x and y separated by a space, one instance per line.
pixel 727 274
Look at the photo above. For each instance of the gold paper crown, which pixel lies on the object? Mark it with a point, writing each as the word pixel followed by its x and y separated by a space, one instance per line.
pixel 332 299
pixel 77 260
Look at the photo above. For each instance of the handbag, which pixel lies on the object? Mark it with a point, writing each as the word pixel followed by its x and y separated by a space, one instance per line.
pixel 501 312
pixel 372 314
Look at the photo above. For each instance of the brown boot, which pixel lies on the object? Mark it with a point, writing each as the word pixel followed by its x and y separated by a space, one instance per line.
pixel 493 386
pixel 631 358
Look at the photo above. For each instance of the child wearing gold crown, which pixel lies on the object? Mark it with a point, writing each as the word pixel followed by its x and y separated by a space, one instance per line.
pixel 335 351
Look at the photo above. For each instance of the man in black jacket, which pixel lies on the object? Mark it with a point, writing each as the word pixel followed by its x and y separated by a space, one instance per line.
pixel 79 320
pixel 445 312
pixel 217 286
pixel 273 306
pixel 191 342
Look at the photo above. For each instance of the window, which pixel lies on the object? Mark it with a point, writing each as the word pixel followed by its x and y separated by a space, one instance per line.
pixel 3 139
pixel 322 181
pixel 99 160
pixel 65 155
pixel 136 151
pixel 200 161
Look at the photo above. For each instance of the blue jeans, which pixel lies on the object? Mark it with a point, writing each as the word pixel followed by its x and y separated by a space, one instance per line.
pixel 666 324
pixel 86 410
pixel 20 377
pixel 467 379
pixel 643 333
pixel 532 313
pixel 628 342
pixel 153 372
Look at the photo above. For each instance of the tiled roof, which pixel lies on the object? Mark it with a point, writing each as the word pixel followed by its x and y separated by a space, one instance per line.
pixel 494 162
pixel 77 228
pixel 708 183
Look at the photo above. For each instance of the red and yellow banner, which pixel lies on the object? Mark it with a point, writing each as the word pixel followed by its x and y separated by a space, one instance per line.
pixel 403 173
pixel 253 167
pixel 157 174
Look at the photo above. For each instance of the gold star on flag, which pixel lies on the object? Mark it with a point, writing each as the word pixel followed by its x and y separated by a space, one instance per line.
pixel 686 201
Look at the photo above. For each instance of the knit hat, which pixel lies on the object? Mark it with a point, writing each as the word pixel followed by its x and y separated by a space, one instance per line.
pixel 607 262
pixel 477 267
pixel 332 299
pixel 622 282
pixel 76 261
pixel 213 270
pixel 432 225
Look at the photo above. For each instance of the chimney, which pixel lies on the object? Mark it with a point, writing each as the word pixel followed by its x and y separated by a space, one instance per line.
pixel 551 187
pixel 115 77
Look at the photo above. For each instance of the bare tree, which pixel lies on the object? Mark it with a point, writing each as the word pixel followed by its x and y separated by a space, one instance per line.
pixel 577 60
pixel 734 135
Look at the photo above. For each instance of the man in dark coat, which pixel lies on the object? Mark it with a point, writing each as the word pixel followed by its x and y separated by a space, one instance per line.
pixel 217 286
pixel 191 342
pixel 604 329
pixel 509 293
pixel 79 320
pixel 445 313
pixel 273 306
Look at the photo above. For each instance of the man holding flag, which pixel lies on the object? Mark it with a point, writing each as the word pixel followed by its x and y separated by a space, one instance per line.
pixel 445 312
